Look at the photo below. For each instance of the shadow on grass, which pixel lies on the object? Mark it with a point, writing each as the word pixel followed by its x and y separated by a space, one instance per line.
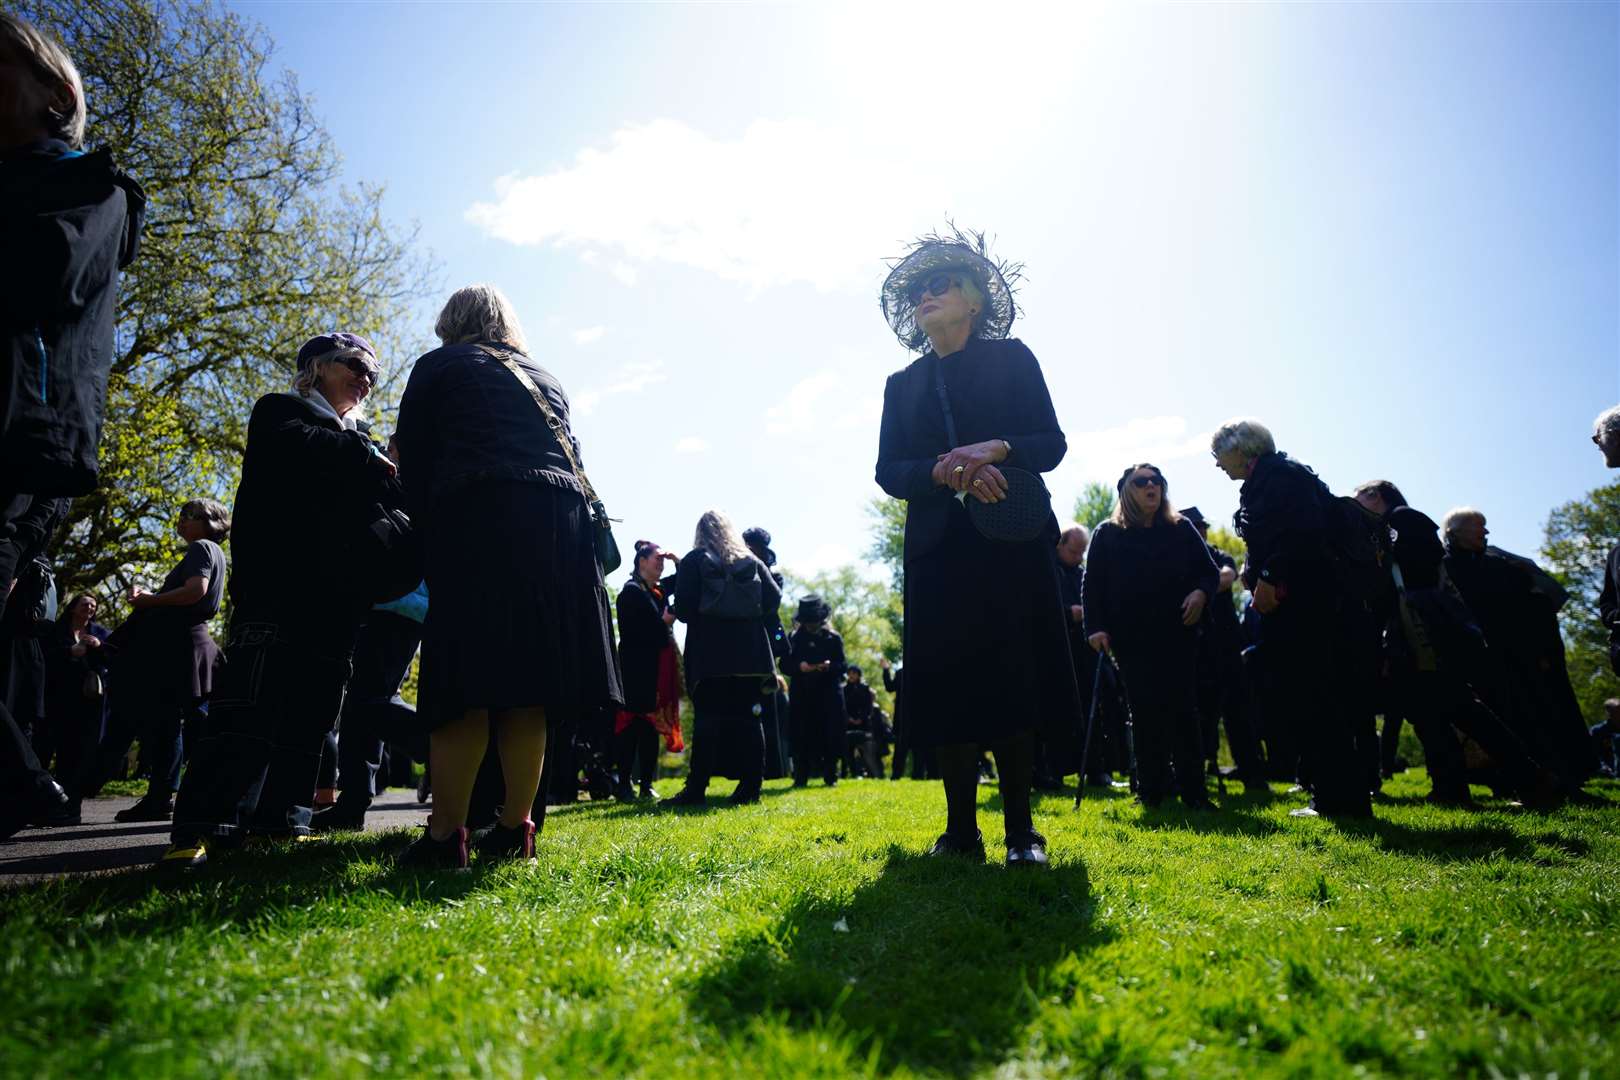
pixel 934 966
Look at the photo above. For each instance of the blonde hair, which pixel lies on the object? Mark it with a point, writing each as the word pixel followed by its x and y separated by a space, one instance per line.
pixel 53 69
pixel 480 313
pixel 720 538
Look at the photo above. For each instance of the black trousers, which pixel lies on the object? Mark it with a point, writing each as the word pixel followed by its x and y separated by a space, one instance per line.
pixel 818 742
pixel 1161 683
pixel 21 775
pixel 727 736
pixel 637 744
pixel 1439 705
pixel 75 723
pixel 774 714
pixel 272 708
pixel 1223 698
pixel 1314 697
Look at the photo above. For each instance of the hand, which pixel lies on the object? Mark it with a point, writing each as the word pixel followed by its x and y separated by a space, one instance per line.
pixel 90 641
pixel 669 617
pixel 825 665
pixel 385 465
pixel 138 598
pixel 805 668
pixel 669 556
pixel 883 662
pixel 1192 608
pixel 970 460
pixel 781 683
pixel 1077 614
pixel 1266 599
pixel 1100 642
pixel 1228 578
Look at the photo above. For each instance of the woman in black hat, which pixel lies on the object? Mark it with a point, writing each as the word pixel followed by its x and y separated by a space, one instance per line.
pixel 815 667
pixel 1148 577
pixel 987 652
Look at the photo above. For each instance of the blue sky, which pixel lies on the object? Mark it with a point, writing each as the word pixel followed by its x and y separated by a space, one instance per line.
pixel 1390 231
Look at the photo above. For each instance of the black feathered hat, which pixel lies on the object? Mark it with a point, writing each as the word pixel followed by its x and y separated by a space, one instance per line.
pixel 953 250
pixel 813 609
pixel 757 537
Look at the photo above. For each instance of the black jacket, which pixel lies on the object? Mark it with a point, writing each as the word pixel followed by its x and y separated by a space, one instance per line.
pixel 996 391
pixel 1282 517
pixel 307 492
pixel 1072 592
pixel 858 703
pixel 68 223
pixel 1609 606
pixel 1136 580
pixel 642 638
pixel 817 695
pixel 717 648
pixel 464 417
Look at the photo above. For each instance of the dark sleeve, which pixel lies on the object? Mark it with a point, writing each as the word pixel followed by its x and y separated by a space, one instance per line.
pixel 770 603
pixel 1609 599
pixel 198 561
pixel 26 535
pixel 898 474
pixel 1096 584
pixel 282 428
pixel 791 657
pixel 888 680
pixel 1041 444
pixel 1292 526
pixel 839 665
pixel 1201 568
pixel 413 434
pixel 688 589
pixel 57 260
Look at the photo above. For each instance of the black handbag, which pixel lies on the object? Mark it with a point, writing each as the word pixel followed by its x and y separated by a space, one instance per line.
pixel 607 548
pixel 1019 518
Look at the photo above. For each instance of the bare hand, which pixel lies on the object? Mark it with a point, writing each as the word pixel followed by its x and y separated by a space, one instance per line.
pixel 1228 578
pixel 1100 642
pixel 385 465
pixel 958 468
pixel 1077 613
pixel 136 596
pixel 669 617
pixel 1192 608
pixel 90 641
pixel 1266 600
pixel 883 662
pixel 805 668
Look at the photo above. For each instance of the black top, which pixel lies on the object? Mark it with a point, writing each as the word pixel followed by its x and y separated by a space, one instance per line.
pixel 716 647
pixel 858 702
pixel 464 417
pixel 1072 590
pixel 1220 614
pixel 643 637
pixel 308 486
pixel 1515 616
pixel 1609 605
pixel 1416 547
pixel 805 647
pixel 1281 517
pixel 1136 579
pixel 205 559
pixel 996 391
pixel 68 222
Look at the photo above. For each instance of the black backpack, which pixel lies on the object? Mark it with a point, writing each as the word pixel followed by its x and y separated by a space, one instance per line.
pixel 35 592
pixel 1358 543
pixel 731 591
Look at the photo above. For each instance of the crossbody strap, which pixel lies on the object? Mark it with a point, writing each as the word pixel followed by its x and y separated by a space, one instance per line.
pixel 552 420
pixel 945 402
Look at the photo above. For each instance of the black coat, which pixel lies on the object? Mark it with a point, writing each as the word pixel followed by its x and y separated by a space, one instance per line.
pixel 816 697
pixel 1136 580
pixel 68 223
pixel 1282 517
pixel 715 647
pixel 308 486
pixel 1609 606
pixel 642 639
pixel 858 704
pixel 913 432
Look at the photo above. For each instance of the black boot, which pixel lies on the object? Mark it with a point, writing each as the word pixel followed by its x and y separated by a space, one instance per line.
pixel 159 807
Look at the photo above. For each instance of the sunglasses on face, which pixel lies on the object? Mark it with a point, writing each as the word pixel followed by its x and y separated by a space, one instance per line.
pixel 366 371
pixel 935 285
pixel 1144 482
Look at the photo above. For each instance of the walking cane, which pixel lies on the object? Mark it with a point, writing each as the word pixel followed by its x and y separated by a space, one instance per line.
pixel 1085 746
pixel 1130 722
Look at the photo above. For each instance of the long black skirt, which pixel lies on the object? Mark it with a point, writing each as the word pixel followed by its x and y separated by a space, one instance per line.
pixel 986 645
pixel 517 612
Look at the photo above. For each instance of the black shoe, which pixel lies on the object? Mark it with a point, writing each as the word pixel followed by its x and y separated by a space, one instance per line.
pixel 624 793
pixel 832 781
pixel 688 796
pixel 160 808
pixel 500 842
pixel 337 818
pixel 53 808
pixel 1047 783
pixel 1027 848
pixel 183 856
pixel 430 854
pixel 970 848
pixel 744 796
pixel 647 794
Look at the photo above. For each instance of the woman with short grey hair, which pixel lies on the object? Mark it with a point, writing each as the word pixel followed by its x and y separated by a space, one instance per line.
pixel 1238 444
pixel 1606 434
pixel 52 100
pixel 489 460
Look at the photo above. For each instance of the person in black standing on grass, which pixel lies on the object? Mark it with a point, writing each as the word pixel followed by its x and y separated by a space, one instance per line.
pixel 815 668
pixel 1148 580
pixel 76 659
pixel 987 655
pixel 922 761
pixel 773 707
pixel 652 671
pixel 1105 718
pixel 1285 517
pixel 861 757
pixel 1221 691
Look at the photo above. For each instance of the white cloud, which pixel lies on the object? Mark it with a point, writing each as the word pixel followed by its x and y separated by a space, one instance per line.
pixel 630 379
pixel 1159 439
pixel 787 201
pixel 589 335
pixel 691 444
pixel 797 414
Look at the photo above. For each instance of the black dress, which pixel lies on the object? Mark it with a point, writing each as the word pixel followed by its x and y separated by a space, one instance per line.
pixel 519 616
pixel 987 653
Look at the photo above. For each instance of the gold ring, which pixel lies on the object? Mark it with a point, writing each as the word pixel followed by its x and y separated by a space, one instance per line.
pixel 960 469
pixel 978 483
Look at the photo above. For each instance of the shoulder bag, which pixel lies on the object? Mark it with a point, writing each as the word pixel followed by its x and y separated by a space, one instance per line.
pixel 607 548
pixel 1024 513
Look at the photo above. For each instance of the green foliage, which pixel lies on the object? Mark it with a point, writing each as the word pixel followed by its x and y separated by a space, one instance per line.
pixel 1578 539
pixel 866 615
pixel 888 532
pixel 1094 505
pixel 809 936
pixel 1228 541
pixel 251 246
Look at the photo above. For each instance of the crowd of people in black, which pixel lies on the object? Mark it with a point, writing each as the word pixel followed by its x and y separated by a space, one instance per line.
pixel 474 536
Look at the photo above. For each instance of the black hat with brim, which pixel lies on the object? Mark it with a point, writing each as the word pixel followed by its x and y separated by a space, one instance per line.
pixel 954 250
pixel 813 609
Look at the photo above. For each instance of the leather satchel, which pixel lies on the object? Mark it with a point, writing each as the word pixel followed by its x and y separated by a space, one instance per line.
pixel 1024 513
pixel 607 548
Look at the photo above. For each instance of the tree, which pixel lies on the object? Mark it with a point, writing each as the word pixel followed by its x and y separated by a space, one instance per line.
pixel 888 531
pixel 250 247
pixel 1578 539
pixel 1228 541
pixel 1095 504
pixel 865 613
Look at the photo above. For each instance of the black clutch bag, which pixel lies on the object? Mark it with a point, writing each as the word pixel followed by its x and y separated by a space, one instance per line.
pixel 1023 514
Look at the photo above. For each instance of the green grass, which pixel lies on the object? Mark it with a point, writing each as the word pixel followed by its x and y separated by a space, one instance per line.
pixel 808 936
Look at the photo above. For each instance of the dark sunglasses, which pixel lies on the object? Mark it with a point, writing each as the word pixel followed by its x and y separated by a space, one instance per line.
pixel 1147 481
pixel 935 285
pixel 358 365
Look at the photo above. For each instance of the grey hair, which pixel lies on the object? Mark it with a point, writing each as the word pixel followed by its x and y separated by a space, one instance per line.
pixel 307 381
pixel 480 313
pixel 1250 437
pixel 213 514
pixel 720 538
pixel 1606 428
pixel 1456 516
pixel 52 68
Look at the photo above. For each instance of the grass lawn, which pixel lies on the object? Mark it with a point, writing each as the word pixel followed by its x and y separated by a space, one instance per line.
pixel 809 936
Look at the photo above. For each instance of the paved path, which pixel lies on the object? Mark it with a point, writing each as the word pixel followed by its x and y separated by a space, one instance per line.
pixel 102 844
